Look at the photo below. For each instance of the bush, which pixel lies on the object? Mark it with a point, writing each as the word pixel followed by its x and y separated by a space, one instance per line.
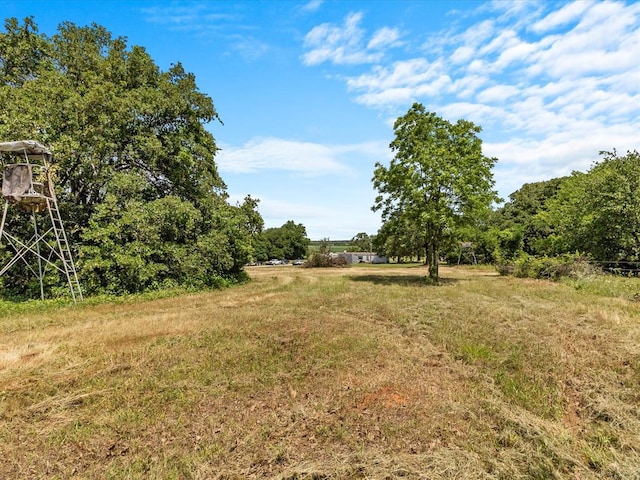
pixel 324 260
pixel 573 265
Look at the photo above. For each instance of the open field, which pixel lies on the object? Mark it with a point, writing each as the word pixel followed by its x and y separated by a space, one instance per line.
pixel 335 246
pixel 344 373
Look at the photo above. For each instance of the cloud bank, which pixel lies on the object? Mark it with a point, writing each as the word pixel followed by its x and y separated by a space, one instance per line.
pixel 551 84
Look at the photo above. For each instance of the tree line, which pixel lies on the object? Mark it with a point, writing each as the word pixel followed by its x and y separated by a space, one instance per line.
pixel 596 213
pixel 437 192
pixel 134 166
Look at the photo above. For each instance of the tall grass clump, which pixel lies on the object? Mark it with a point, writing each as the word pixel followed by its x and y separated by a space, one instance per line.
pixel 572 265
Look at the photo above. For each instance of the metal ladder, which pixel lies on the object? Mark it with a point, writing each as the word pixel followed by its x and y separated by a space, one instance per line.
pixel 68 267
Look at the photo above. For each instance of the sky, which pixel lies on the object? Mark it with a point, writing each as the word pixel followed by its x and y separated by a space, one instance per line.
pixel 308 91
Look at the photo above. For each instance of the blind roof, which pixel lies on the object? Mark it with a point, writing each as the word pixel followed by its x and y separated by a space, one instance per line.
pixel 31 148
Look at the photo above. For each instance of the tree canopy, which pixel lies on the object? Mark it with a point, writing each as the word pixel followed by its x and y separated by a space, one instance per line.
pixel 593 214
pixel 598 212
pixel 438 179
pixel 134 163
pixel 520 220
pixel 286 242
pixel 361 242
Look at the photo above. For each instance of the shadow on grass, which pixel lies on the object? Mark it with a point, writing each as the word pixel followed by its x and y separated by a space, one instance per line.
pixel 406 280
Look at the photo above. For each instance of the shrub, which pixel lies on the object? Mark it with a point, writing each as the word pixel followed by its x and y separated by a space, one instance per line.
pixel 574 265
pixel 324 260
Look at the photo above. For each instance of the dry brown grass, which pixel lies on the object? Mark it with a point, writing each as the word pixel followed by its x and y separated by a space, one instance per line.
pixel 345 373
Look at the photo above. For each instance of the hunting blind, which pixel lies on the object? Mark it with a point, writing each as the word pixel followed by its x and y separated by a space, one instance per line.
pixel 27 185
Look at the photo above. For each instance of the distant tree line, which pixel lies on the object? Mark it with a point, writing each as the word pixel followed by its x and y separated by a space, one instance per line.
pixel 287 242
pixel 595 213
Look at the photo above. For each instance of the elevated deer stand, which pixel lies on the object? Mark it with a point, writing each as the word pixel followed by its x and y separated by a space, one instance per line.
pixel 27 185
pixel 466 252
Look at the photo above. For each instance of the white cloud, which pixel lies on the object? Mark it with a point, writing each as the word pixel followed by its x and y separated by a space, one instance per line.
pixel 462 54
pixel 406 73
pixel 497 94
pixel 346 44
pixel 523 160
pixel 304 158
pixel 195 16
pixel 606 40
pixel 511 10
pixel 301 158
pixel 505 39
pixel 383 38
pixel 338 44
pixel 401 83
pixel 272 208
pixel 476 36
pixel 319 218
pixel 471 111
pixel 249 48
pixel 205 22
pixel 312 6
pixel 516 52
pixel 467 86
pixel 566 14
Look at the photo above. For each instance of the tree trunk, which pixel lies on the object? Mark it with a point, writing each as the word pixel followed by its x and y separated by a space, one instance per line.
pixel 431 260
pixel 434 267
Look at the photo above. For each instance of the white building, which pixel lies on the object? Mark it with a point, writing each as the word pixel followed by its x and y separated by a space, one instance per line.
pixel 362 257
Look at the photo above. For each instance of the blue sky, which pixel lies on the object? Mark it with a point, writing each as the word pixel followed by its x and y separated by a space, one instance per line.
pixel 308 91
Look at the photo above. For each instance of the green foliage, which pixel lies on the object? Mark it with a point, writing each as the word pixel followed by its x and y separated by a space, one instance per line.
pixel 286 242
pixel 481 233
pixel 509 243
pixel 398 237
pixel 361 243
pixel 324 246
pixel 522 219
pixel 598 212
pixel 22 51
pixel 324 260
pixel 438 179
pixel 131 245
pixel 570 265
pixel 134 164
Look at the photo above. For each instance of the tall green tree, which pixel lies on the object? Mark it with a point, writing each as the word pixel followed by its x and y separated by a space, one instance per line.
pixel 399 238
pixel 522 218
pixel 105 108
pixel 286 242
pixel 437 180
pixel 361 242
pixel 23 52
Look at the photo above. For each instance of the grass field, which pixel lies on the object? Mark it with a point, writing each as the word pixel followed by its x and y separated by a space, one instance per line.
pixel 330 374
pixel 335 246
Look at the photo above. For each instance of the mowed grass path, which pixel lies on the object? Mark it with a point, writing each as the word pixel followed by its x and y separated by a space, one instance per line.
pixel 361 372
